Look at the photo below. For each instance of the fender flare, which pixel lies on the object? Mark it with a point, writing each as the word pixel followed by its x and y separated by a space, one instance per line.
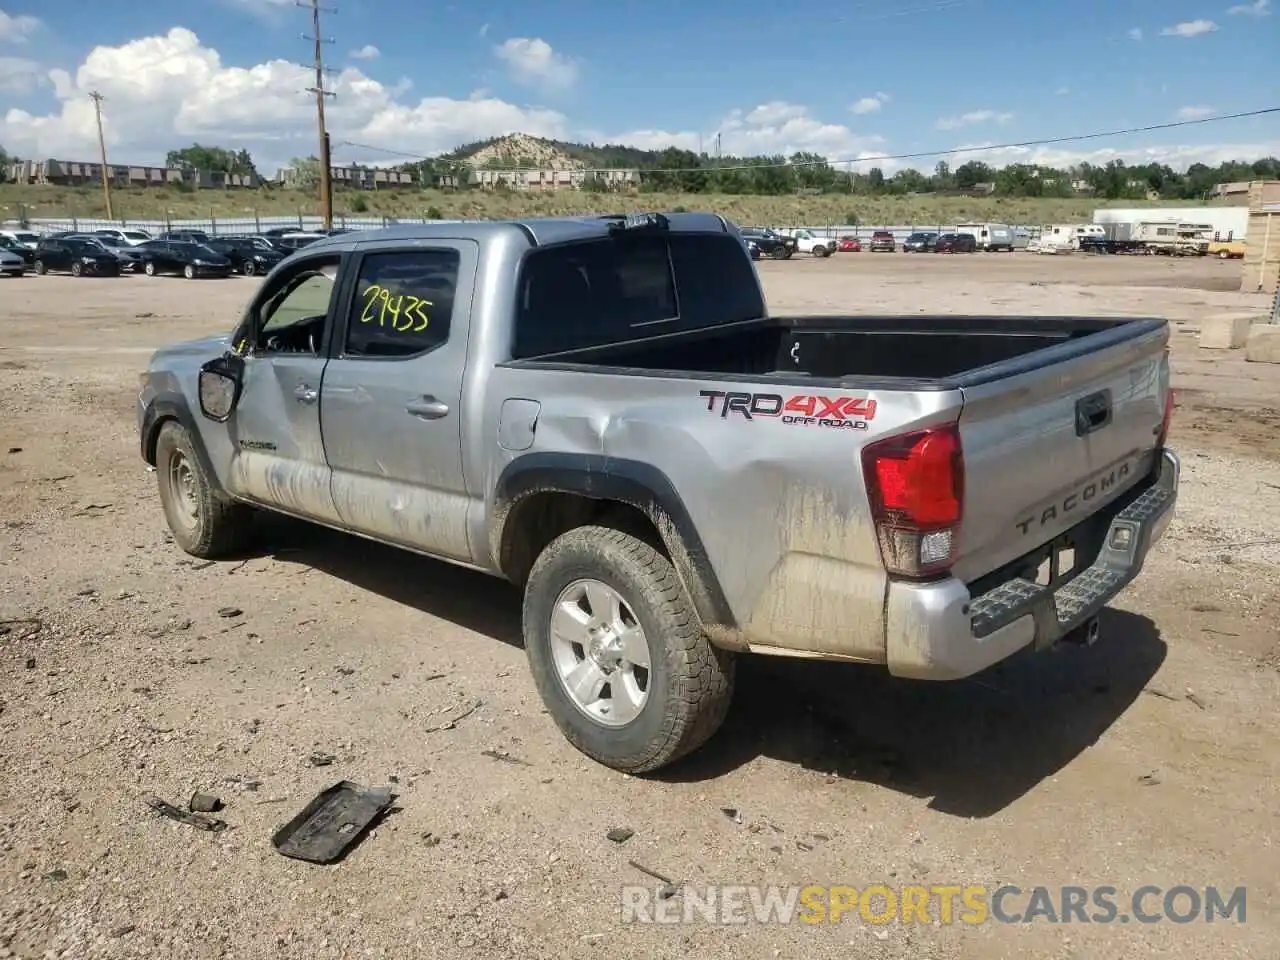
pixel 162 408
pixel 637 484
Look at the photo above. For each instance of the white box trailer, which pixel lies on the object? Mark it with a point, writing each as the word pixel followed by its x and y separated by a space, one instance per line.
pixel 989 236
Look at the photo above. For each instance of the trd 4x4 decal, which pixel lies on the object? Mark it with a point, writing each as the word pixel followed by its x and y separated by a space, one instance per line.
pixel 806 410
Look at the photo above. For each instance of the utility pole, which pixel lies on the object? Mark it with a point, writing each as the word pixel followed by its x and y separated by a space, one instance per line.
pixel 326 184
pixel 97 99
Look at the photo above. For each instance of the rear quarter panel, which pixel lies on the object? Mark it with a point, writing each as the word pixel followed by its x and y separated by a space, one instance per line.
pixel 780 506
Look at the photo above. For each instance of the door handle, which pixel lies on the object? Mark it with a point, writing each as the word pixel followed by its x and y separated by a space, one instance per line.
pixel 305 394
pixel 427 408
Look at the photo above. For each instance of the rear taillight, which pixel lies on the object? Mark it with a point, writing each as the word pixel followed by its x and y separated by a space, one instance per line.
pixel 1168 418
pixel 915 484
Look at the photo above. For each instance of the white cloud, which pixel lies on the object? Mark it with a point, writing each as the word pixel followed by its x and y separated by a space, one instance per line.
pixel 165 91
pixel 1194 113
pixel 769 129
pixel 1135 33
pixel 972 117
pixel 19 75
pixel 1062 91
pixel 16 29
pixel 1189 28
pixel 532 62
pixel 870 104
pixel 1259 8
pixel 367 52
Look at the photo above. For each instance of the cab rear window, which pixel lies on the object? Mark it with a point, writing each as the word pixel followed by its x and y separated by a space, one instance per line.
pixel 603 291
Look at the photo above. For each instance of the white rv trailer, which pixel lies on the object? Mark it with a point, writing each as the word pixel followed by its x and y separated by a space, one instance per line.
pixel 1066 237
pixel 989 236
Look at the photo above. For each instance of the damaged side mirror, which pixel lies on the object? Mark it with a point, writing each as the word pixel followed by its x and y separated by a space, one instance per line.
pixel 220 384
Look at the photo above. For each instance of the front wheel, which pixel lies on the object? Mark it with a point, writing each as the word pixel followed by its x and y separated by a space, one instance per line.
pixel 618 654
pixel 41 269
pixel 189 272
pixel 247 268
pixel 204 523
pixel 77 269
pixel 150 269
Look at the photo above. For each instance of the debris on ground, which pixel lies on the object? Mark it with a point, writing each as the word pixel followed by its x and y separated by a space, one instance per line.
pixel 332 823
pixel 197 820
pixel 318 759
pixel 620 834
pixel 453 722
pixel 504 757
pixel 733 813
pixel 204 803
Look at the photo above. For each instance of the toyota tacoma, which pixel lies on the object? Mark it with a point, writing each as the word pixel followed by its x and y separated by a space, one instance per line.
pixel 603 411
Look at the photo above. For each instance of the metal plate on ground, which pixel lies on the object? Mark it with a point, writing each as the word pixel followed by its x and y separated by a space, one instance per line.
pixel 332 822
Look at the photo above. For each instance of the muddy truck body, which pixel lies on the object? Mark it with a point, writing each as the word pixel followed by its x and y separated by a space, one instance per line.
pixel 603 411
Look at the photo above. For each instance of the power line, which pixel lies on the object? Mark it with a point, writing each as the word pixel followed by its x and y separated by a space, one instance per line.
pixel 326 184
pixel 918 155
pixel 97 99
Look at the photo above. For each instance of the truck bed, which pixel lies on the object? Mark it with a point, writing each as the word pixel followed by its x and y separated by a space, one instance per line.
pixel 897 352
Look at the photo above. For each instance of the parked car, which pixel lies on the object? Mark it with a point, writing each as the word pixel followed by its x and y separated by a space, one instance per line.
pixel 184 257
pixel 128 238
pixel 956 243
pixel 927 514
pixel 882 241
pixel 247 256
pixel 185 236
pixel 11 264
pixel 129 258
pixel 80 258
pixel 24 237
pixel 767 243
pixel 920 242
pixel 849 244
pixel 809 242
pixel 9 245
pixel 290 242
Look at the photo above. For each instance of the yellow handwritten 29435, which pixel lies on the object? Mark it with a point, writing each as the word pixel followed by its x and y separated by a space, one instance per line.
pixel 404 310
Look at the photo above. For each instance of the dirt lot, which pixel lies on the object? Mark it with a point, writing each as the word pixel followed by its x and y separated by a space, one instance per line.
pixel 1152 758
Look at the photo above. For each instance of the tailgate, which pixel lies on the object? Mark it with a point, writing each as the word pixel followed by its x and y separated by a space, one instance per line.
pixel 1045 448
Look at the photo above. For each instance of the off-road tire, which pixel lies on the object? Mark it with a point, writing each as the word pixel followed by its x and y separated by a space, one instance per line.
pixel 690 681
pixel 221 527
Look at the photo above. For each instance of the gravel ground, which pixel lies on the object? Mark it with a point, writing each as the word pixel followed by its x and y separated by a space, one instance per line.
pixel 130 669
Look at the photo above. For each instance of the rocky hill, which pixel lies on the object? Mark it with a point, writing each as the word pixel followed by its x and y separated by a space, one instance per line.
pixel 522 150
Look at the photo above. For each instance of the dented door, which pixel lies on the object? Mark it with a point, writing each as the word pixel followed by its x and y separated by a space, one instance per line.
pixel 392 403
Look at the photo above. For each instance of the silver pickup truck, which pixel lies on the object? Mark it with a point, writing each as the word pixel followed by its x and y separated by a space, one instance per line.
pixel 602 411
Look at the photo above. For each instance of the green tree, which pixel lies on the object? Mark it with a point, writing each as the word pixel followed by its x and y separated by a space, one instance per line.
pixel 200 157
pixel 306 172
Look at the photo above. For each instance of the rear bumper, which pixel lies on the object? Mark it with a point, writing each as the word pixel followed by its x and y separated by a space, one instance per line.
pixel 938 631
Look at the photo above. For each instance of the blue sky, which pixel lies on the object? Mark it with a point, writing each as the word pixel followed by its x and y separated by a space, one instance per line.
pixel 856 79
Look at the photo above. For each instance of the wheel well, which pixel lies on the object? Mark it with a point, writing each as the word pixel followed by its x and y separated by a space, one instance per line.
pixel 537 519
pixel 153 437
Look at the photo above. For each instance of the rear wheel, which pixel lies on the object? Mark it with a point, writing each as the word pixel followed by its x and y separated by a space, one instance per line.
pixel 781 252
pixel 617 653
pixel 247 268
pixel 150 269
pixel 77 269
pixel 40 268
